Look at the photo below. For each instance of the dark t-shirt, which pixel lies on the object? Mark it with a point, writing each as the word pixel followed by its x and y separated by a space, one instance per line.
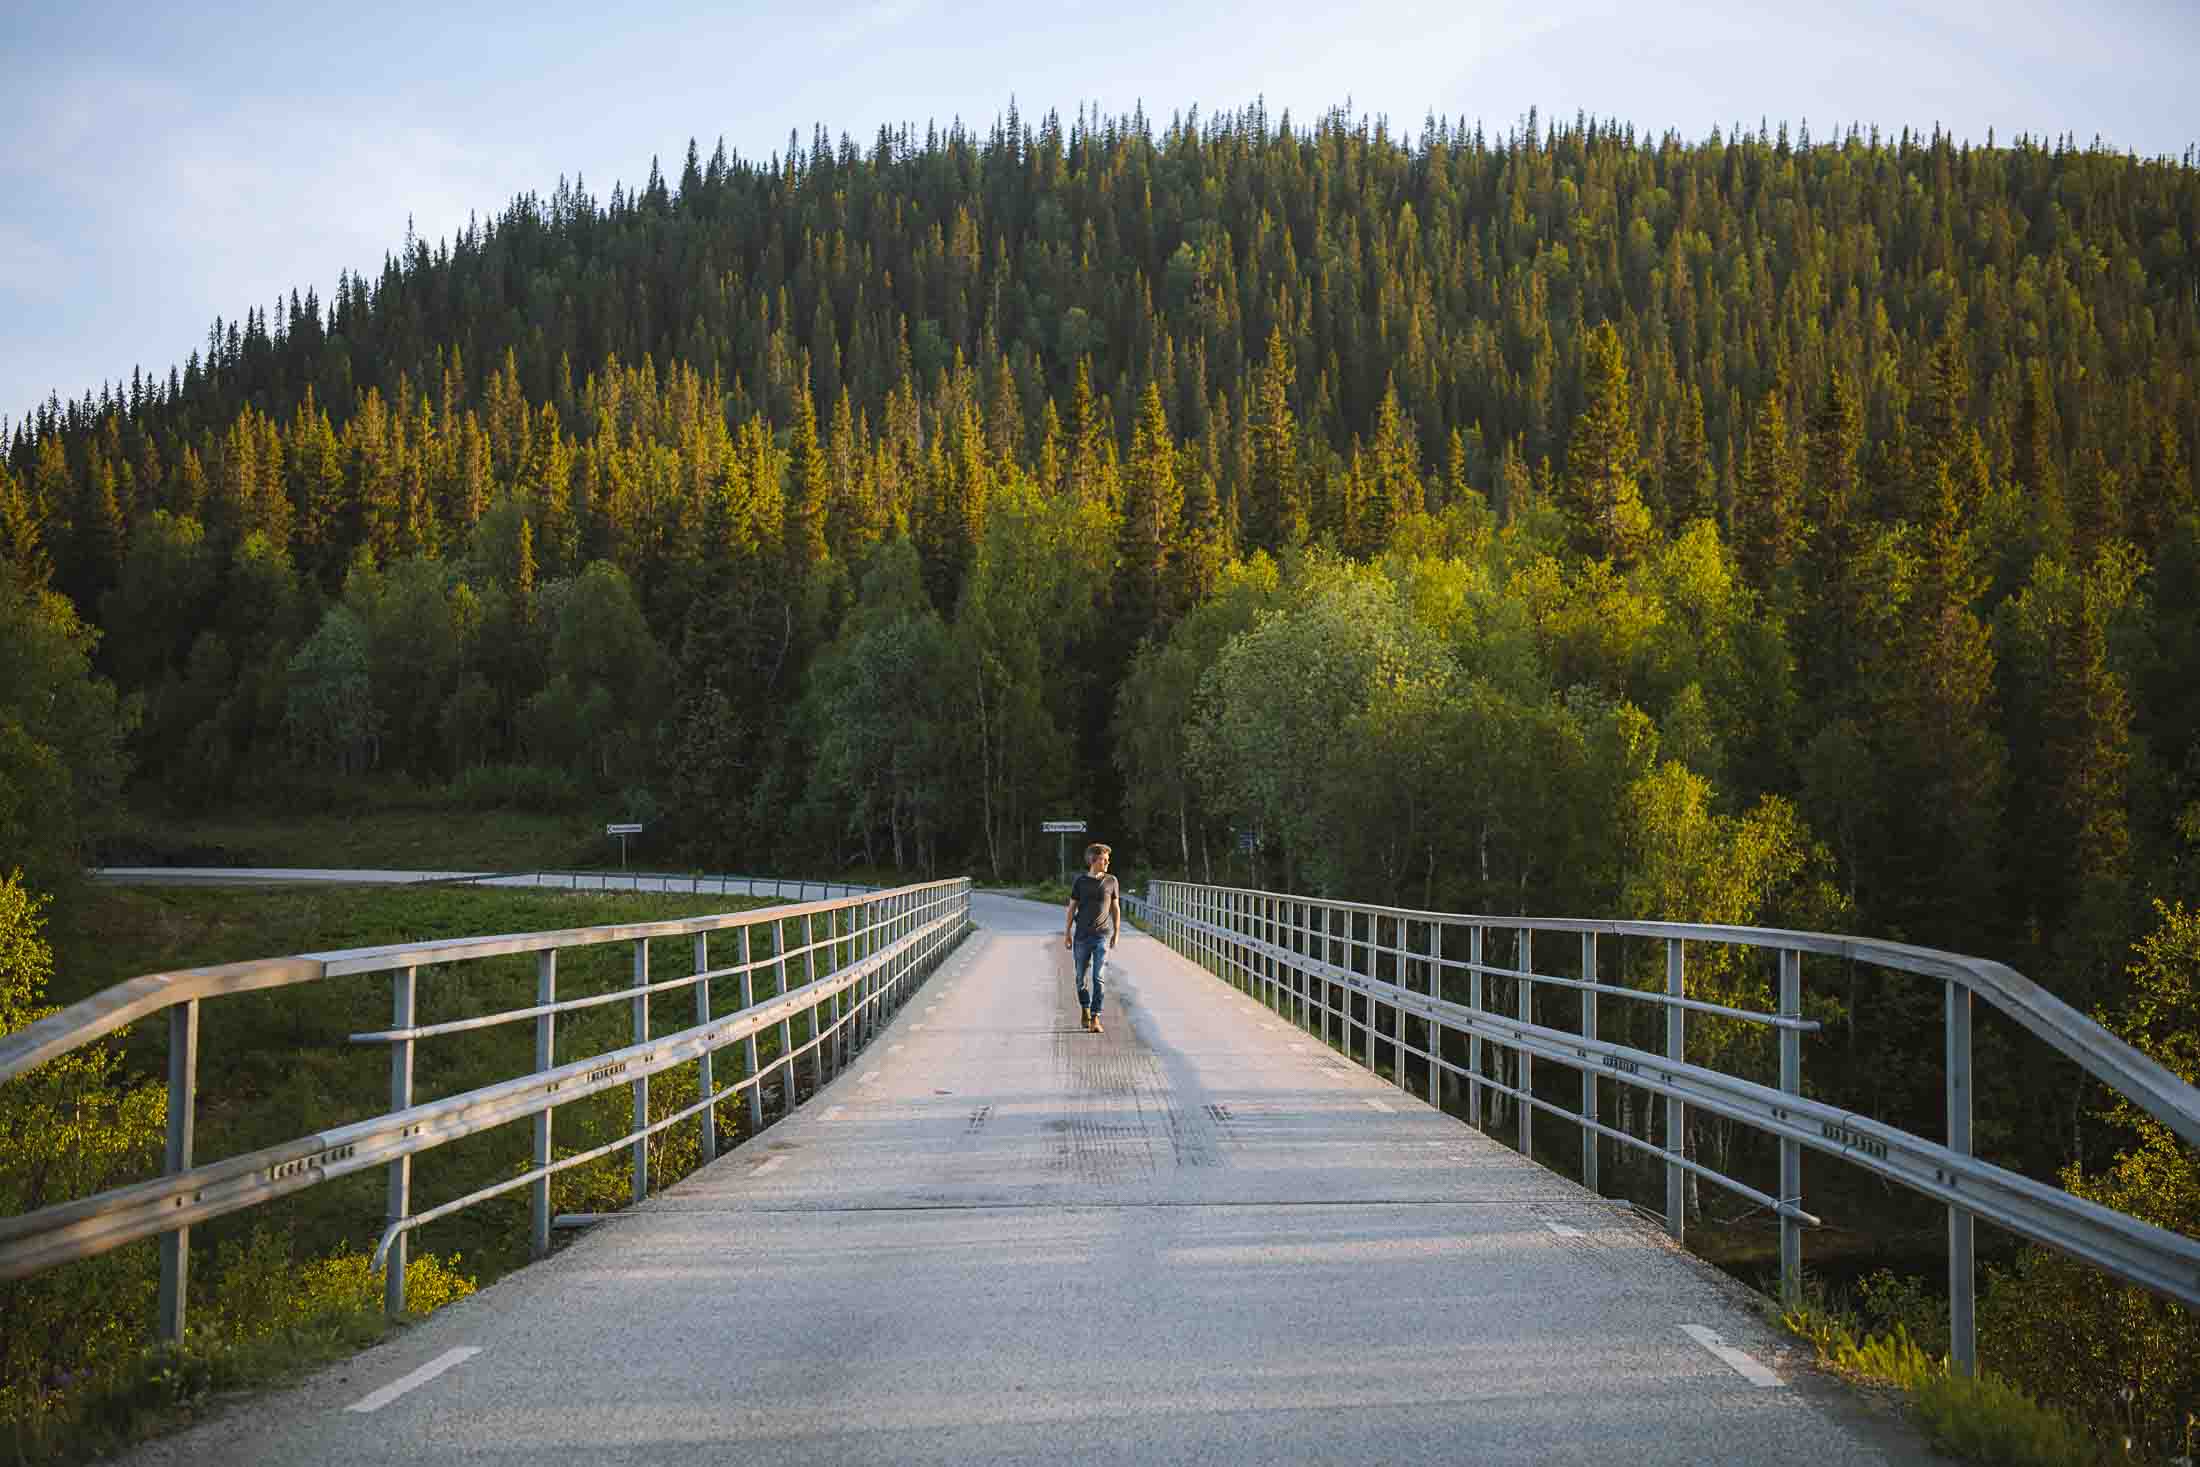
pixel 1094 896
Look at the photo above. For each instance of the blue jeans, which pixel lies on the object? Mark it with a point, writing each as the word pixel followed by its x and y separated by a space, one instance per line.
pixel 1093 951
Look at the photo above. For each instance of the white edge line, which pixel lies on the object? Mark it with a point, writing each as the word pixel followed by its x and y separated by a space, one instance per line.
pixel 376 1400
pixel 1382 1105
pixel 767 1166
pixel 868 1077
pixel 1565 1232
pixel 833 1110
pixel 1737 1361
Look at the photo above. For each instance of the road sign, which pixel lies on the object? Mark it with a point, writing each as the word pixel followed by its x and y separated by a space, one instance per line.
pixel 1063 829
pixel 622 830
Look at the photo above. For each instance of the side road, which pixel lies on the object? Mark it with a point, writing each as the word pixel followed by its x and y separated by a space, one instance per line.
pixel 791 888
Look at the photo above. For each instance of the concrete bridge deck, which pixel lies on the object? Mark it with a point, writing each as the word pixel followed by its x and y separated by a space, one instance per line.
pixel 995 1238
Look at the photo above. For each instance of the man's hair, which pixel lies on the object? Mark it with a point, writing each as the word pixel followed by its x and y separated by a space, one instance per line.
pixel 1095 851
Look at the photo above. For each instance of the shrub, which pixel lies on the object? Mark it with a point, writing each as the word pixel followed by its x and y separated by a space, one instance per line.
pixel 1978 1419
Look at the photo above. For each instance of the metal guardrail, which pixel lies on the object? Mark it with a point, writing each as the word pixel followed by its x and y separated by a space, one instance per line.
pixel 782 887
pixel 1307 957
pixel 875 946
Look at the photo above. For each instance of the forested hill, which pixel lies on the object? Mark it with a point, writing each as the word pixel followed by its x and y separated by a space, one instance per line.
pixel 821 507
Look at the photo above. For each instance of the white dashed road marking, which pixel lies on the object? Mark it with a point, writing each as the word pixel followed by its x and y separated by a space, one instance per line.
pixel 1740 1363
pixel 833 1110
pixel 1382 1105
pixel 893 1048
pixel 1565 1232
pixel 376 1400
pixel 868 1077
pixel 767 1166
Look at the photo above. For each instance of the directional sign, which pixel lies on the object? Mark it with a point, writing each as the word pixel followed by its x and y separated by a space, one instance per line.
pixel 622 830
pixel 1062 827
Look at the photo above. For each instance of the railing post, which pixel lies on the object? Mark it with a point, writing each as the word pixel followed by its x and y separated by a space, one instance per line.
pixel 1962 1276
pixel 641 1086
pixel 1589 1140
pixel 546 1044
pixel 1526 1065
pixel 704 1079
pixel 183 1084
pixel 748 1045
pixel 1676 1112
pixel 402 990
pixel 862 942
pixel 1474 1040
pixel 1264 919
pixel 1400 986
pixel 1791 1152
pixel 786 1025
pixel 1435 1026
pixel 818 1046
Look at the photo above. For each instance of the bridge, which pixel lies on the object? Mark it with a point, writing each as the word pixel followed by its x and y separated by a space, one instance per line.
pixel 1216 1232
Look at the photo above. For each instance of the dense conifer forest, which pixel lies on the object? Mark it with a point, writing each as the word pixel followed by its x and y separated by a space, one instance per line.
pixel 1771 528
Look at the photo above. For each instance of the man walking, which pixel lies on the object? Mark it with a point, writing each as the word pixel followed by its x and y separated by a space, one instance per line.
pixel 1090 927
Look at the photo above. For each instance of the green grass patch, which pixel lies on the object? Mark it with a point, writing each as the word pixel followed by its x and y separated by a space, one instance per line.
pixel 1978 1418
pixel 429 836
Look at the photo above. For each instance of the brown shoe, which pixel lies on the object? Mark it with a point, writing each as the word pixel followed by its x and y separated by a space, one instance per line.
pixel 1084 1018
pixel 1094 1026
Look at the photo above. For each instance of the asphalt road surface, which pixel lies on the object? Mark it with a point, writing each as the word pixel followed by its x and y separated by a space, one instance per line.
pixel 995 1238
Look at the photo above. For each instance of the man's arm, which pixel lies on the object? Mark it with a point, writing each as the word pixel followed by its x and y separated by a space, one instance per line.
pixel 1115 912
pixel 1069 921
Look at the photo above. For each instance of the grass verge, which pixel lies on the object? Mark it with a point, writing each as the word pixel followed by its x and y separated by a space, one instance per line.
pixel 1978 1418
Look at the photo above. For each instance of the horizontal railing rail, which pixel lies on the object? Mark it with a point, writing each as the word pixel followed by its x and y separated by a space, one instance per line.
pixel 674 882
pixel 1310 956
pixel 876 944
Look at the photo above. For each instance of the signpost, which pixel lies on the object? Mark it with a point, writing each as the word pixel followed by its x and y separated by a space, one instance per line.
pixel 622 832
pixel 1064 829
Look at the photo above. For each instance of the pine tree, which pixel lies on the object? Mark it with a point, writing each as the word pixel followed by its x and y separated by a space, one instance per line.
pixel 1276 511
pixel 523 575
pixel 1153 507
pixel 20 544
pixel 1394 470
pixel 1934 876
pixel 1769 527
pixel 546 487
pixel 1093 483
pixel 2038 461
pixel 1599 490
pixel 1004 419
pixel 1203 546
pixel 1833 619
pixel 1691 492
pixel 809 492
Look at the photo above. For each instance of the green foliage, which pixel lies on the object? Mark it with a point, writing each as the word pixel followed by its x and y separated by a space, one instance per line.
pixel 1981 1419
pixel 263 1316
pixel 2119 1357
pixel 331 716
pixel 62 728
pixel 516 787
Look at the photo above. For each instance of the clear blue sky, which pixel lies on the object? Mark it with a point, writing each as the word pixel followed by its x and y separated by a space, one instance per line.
pixel 162 167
